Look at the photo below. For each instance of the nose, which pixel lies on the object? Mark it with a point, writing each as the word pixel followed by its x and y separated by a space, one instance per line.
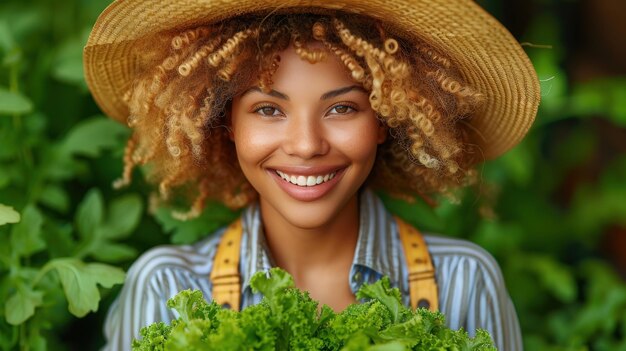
pixel 306 138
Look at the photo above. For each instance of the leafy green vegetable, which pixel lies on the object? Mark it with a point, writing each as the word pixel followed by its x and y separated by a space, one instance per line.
pixel 8 215
pixel 288 319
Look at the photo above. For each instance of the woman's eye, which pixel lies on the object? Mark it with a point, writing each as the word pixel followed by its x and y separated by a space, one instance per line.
pixel 341 109
pixel 268 111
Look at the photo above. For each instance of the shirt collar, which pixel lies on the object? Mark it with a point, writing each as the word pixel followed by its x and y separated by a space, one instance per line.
pixel 376 252
pixel 377 234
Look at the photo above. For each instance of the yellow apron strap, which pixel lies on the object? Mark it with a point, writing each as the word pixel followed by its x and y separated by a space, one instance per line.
pixel 422 284
pixel 225 273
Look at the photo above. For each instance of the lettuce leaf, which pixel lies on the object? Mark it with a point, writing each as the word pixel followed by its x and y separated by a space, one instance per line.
pixel 288 319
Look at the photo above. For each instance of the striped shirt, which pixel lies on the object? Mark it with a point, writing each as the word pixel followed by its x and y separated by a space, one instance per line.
pixel 472 293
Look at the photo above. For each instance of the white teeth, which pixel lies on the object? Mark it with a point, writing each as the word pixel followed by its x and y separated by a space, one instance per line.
pixel 301 180
pixel 311 180
pixel 306 180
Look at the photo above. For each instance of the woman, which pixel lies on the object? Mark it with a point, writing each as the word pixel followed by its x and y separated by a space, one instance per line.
pixel 295 112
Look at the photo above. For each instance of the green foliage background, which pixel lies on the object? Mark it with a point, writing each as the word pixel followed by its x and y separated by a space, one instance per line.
pixel 544 209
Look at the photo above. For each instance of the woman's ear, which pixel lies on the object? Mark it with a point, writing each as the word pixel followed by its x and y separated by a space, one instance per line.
pixel 382 132
pixel 231 135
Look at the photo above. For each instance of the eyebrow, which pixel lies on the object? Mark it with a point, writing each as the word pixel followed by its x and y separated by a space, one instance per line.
pixel 341 91
pixel 272 92
pixel 325 96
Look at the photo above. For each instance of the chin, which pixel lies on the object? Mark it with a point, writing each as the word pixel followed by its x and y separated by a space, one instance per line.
pixel 310 215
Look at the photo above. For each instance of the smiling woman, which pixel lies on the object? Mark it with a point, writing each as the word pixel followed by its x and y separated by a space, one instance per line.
pixel 319 126
pixel 296 116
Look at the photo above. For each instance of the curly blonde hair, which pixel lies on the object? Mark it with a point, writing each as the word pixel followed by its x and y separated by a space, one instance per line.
pixel 179 103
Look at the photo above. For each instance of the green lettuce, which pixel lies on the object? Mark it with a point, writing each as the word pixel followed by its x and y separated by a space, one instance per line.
pixel 288 319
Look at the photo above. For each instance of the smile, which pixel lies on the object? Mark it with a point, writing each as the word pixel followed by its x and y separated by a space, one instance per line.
pixel 306 184
pixel 306 181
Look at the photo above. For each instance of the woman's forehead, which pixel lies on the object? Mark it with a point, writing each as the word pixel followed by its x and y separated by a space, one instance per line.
pixel 296 75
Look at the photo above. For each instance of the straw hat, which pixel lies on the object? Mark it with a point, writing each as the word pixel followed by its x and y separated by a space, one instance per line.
pixel 488 56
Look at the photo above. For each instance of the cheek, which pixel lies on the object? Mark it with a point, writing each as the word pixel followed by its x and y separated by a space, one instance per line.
pixel 360 141
pixel 253 144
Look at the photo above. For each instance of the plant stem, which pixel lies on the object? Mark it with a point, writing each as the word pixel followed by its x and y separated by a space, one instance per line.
pixel 23 342
pixel 14 87
pixel 42 272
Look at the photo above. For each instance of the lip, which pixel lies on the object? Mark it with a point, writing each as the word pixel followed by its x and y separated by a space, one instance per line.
pixel 307 193
pixel 307 170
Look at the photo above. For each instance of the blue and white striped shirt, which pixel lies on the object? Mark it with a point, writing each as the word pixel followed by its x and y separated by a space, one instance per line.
pixel 472 293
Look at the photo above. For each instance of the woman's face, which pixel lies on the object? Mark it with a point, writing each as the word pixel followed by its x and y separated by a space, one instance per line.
pixel 308 145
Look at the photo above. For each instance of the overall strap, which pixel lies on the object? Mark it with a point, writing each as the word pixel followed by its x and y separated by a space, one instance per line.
pixel 225 273
pixel 422 284
pixel 227 280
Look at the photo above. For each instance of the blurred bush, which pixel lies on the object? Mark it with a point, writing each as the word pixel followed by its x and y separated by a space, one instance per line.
pixel 551 210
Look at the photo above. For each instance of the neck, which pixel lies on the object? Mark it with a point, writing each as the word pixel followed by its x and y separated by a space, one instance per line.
pixel 310 253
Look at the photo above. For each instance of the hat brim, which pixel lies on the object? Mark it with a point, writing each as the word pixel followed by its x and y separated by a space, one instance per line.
pixel 487 55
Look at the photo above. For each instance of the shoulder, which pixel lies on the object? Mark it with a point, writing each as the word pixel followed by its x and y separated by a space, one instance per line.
pixel 196 257
pixel 456 256
pixel 156 276
pixel 472 290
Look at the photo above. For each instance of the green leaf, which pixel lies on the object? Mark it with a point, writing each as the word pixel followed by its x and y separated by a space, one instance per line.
pixel 271 284
pixel 94 135
pixel 26 235
pixel 55 197
pixel 105 275
pixel 112 252
pixel 70 70
pixel 123 217
pixel 36 341
pixel 14 103
pixel 21 305
pixel 8 215
pixel 382 291
pixel 6 38
pixel 89 214
pixel 80 281
pixel 186 303
pixel 69 62
pixel 555 276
